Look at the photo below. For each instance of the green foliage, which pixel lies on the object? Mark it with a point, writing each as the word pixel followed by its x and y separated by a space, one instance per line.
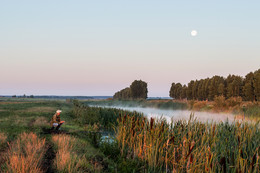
pixel 219 102
pixel 106 117
pixel 123 94
pixel 176 91
pixel 110 149
pixel 247 88
pixel 137 90
pixel 252 110
pixel 256 85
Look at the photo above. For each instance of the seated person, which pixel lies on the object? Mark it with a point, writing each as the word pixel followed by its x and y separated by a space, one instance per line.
pixel 55 121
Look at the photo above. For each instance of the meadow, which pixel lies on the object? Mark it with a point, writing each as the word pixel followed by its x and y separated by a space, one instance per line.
pixel 132 142
pixel 26 144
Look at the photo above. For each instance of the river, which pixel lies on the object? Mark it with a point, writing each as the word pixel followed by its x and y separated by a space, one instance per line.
pixel 178 114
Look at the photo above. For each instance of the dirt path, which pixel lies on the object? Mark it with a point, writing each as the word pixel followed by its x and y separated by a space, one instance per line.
pixel 48 158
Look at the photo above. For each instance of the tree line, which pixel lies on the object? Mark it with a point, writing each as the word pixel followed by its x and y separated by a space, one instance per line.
pixel 248 88
pixel 137 90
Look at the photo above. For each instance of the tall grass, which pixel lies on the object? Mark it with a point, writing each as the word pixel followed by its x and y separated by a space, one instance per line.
pixel 105 117
pixel 3 138
pixel 25 154
pixel 66 160
pixel 189 146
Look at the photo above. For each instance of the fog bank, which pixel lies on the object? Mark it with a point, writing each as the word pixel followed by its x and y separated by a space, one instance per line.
pixel 177 114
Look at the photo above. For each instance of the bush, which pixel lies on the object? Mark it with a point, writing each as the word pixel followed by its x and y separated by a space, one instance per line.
pixel 219 102
pixel 110 148
pixel 234 101
pixel 199 105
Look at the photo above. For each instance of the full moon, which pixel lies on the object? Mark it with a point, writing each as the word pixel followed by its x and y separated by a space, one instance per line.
pixel 194 33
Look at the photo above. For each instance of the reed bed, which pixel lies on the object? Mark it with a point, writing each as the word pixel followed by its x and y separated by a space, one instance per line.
pixel 189 146
pixel 25 154
pixel 66 160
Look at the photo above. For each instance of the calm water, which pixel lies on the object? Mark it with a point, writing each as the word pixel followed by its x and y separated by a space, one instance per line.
pixel 178 114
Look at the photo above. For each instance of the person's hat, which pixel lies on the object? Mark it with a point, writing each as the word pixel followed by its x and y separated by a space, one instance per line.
pixel 58 111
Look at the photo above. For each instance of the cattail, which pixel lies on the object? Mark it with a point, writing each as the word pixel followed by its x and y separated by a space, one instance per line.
pixel 171 139
pixel 214 127
pixel 253 162
pixel 151 124
pixel 124 119
pixel 162 129
pixel 223 164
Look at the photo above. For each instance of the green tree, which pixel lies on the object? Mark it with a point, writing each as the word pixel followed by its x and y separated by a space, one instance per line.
pixel 139 89
pixel 183 92
pixel 248 88
pixel 172 90
pixel 190 90
pixel 178 91
pixel 256 84
pixel 216 87
pixel 123 94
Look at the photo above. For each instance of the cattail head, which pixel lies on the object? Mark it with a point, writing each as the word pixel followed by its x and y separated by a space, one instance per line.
pixel 151 123
pixel 171 139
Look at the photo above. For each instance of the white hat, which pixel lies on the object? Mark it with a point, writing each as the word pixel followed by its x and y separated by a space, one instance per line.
pixel 58 111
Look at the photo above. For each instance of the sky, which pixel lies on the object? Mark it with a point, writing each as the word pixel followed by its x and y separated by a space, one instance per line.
pixel 81 47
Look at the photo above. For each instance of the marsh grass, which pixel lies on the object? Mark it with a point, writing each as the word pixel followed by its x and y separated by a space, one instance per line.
pixel 25 154
pixel 189 146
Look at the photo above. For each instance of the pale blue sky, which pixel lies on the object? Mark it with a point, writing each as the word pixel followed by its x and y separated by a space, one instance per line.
pixel 99 47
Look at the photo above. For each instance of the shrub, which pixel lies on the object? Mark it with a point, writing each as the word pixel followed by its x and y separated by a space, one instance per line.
pixel 219 102
pixel 199 105
pixel 234 101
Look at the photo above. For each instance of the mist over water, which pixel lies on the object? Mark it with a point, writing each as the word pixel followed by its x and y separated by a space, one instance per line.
pixel 177 114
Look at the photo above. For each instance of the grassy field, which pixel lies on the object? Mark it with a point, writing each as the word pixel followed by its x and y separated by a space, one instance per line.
pixel 138 145
pixel 25 139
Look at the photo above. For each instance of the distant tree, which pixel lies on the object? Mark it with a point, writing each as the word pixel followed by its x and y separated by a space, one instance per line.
pixel 221 89
pixel 123 94
pixel 248 87
pixel 178 90
pixel 237 85
pixel 200 90
pixel 256 85
pixel 14 96
pixel 189 90
pixel 216 87
pixel 194 90
pixel 172 90
pixel 183 92
pixel 139 89
pixel 205 88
